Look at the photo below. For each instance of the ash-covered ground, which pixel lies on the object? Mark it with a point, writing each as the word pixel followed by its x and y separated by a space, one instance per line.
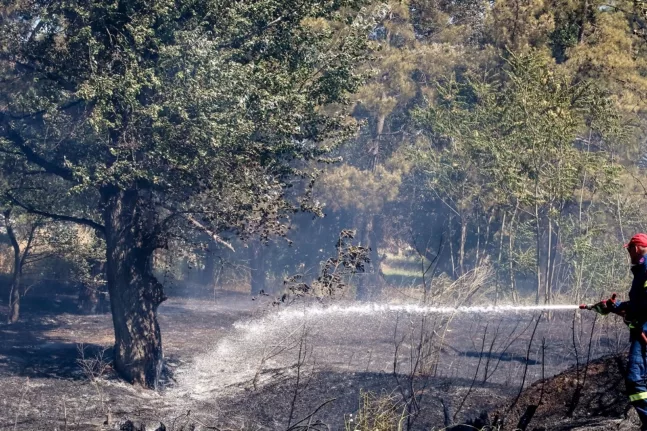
pixel 234 363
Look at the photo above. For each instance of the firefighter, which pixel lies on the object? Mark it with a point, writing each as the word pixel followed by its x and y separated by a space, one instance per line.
pixel 634 313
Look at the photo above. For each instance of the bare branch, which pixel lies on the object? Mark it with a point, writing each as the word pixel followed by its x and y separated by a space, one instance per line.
pixel 314 412
pixel 208 231
pixel 30 242
pixel 19 143
pixel 61 217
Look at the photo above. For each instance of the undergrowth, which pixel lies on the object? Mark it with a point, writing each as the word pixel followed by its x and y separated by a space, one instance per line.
pixel 377 413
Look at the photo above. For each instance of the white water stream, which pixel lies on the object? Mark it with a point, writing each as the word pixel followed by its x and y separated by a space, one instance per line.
pixel 335 310
pixel 235 359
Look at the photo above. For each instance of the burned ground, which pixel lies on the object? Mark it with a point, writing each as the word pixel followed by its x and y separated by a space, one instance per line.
pixel 234 362
pixel 589 397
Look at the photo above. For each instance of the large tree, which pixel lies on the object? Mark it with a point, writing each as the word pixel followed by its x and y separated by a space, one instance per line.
pixel 162 115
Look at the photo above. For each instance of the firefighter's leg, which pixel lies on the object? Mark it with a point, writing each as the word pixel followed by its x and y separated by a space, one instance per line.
pixel 637 379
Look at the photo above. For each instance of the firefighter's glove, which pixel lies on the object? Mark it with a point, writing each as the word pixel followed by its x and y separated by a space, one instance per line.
pixel 605 307
pixel 601 308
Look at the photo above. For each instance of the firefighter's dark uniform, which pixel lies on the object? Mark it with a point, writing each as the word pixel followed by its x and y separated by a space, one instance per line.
pixel 635 314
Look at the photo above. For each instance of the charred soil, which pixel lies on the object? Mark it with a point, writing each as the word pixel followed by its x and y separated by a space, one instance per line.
pixel 233 363
pixel 590 397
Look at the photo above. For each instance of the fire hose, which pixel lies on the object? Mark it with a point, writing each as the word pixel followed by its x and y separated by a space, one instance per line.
pixel 600 305
pixel 604 307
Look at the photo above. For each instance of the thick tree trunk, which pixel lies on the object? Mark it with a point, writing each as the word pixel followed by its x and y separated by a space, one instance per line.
pixel 134 291
pixel 257 267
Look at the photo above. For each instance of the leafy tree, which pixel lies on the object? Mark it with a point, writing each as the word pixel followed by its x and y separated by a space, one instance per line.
pixel 43 247
pixel 419 42
pixel 515 141
pixel 170 115
pixel 26 243
pixel 520 24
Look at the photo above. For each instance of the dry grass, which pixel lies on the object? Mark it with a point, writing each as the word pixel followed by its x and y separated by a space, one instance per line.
pixel 473 286
pixel 377 413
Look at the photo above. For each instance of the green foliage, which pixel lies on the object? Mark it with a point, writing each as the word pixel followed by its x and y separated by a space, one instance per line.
pixel 531 138
pixel 207 105
pixel 520 25
pixel 516 135
pixel 509 130
pixel 365 191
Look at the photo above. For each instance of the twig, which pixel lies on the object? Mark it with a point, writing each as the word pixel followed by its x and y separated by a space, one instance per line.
pixel 322 405
pixel 543 370
pixel 491 349
pixel 579 387
pixel 301 358
pixel 274 351
pixel 510 343
pixel 525 370
pixel 476 373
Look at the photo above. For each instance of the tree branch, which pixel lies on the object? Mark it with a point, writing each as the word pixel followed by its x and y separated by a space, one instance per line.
pixel 208 231
pixel 39 114
pixel 61 217
pixel 187 215
pixel 23 68
pixel 11 233
pixel 30 241
pixel 19 142
pixel 37 258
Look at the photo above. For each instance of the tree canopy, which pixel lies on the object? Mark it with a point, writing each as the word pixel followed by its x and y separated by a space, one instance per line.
pixel 509 133
pixel 170 114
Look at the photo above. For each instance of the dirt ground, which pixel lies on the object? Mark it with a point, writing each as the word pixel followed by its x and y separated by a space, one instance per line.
pixel 44 384
pixel 234 363
pixel 590 397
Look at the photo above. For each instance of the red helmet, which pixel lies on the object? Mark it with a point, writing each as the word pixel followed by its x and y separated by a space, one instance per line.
pixel 639 239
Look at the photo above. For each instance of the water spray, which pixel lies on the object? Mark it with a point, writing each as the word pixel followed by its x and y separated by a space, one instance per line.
pixel 375 308
pixel 235 358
